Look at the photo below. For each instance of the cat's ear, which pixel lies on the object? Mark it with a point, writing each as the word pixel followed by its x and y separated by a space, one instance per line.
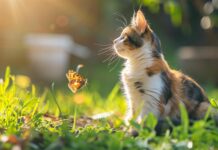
pixel 139 21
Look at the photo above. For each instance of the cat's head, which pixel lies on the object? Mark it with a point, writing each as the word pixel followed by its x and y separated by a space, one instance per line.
pixel 137 39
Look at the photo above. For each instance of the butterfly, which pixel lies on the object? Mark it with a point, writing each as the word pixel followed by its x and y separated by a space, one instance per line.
pixel 76 81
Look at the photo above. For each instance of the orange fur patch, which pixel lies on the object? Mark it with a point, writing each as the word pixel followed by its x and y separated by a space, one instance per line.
pixel 161 108
pixel 158 66
pixel 126 30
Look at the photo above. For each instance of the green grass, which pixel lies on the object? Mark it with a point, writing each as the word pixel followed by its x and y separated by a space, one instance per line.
pixel 30 119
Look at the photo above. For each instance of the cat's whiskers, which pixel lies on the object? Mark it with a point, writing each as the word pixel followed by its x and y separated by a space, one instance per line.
pixel 153 91
pixel 119 28
pixel 111 58
pixel 122 19
pixel 110 54
pixel 106 50
pixel 153 97
pixel 108 58
pixel 118 60
pixel 106 46
pixel 103 45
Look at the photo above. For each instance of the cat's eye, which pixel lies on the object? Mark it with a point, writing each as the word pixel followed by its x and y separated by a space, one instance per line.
pixel 136 41
pixel 132 39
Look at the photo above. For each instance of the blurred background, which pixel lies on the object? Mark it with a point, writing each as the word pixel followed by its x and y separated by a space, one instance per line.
pixel 44 38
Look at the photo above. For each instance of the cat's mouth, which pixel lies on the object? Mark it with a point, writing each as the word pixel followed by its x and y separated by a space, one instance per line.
pixel 121 50
pixel 118 49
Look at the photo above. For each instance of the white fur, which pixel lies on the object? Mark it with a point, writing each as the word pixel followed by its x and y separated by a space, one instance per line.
pixel 139 103
pixel 137 61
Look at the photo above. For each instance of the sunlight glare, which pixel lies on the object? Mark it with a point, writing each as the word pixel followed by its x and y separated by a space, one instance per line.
pixel 14 9
pixel 13 3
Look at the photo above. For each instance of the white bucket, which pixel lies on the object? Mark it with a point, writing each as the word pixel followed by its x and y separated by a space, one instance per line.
pixel 48 55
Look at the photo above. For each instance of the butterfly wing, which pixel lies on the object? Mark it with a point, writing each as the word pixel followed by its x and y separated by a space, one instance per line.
pixel 72 87
pixel 76 81
pixel 70 75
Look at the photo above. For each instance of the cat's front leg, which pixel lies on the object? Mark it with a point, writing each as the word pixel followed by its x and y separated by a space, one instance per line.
pixel 129 114
pixel 141 116
pixel 145 112
pixel 127 119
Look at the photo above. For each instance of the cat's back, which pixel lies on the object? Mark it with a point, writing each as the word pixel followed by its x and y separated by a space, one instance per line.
pixel 191 93
pixel 189 87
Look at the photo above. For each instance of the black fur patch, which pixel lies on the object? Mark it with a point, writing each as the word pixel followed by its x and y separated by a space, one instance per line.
pixel 142 91
pixel 135 39
pixel 167 92
pixel 192 90
pixel 155 54
pixel 163 125
pixel 157 46
pixel 150 73
pixel 138 84
pixel 156 42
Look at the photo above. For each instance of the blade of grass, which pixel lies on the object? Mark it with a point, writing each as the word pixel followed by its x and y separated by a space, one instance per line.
pixel 34 95
pixel 213 102
pixel 114 92
pixel 184 119
pixel 74 119
pixel 54 98
pixel 207 113
pixel 7 78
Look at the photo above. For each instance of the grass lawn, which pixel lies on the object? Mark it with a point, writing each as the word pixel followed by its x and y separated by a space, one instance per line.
pixel 30 119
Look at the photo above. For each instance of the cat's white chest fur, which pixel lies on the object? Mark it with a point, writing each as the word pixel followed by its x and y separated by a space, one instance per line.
pixel 143 98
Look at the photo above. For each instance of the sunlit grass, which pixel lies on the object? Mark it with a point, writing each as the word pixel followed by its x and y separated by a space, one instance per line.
pixel 31 119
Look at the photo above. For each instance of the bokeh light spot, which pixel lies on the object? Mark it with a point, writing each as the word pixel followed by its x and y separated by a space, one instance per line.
pixel 215 3
pixel 62 21
pixel 22 81
pixel 206 22
pixel 208 8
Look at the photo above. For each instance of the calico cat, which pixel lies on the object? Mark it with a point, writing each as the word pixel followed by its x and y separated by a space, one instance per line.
pixel 150 85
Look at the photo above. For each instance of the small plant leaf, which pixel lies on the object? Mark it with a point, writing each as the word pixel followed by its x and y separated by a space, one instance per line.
pixel 7 78
pixel 214 103
pixel 151 121
pixel 184 119
pixel 114 92
pixel 135 125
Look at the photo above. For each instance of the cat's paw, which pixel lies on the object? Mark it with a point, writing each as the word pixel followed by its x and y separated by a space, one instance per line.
pixel 127 122
pixel 133 132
